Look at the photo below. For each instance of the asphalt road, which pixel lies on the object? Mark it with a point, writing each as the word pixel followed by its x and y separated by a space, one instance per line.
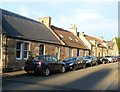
pixel 100 77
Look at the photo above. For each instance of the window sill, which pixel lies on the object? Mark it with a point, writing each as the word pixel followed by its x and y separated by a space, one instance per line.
pixel 19 59
pixel 25 58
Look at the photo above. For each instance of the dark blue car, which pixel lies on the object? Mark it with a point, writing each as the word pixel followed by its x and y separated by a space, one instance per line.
pixel 73 63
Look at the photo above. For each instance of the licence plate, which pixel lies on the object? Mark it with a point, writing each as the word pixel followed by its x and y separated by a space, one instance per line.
pixel 30 71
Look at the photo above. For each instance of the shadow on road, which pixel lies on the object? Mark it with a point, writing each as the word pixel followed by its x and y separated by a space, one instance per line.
pixel 86 82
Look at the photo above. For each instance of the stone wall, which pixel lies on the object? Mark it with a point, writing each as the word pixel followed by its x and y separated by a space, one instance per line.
pixel 9 52
pixel 10 63
pixel 64 52
pixel 74 52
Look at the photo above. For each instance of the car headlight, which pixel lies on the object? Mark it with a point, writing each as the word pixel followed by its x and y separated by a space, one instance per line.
pixel 70 64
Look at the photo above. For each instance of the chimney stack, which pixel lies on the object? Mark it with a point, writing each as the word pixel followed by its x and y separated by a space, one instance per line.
pixel 101 38
pixel 46 21
pixel 73 29
pixel 81 34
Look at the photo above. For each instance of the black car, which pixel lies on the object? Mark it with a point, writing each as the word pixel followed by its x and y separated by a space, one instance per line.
pixel 44 64
pixel 73 63
pixel 91 60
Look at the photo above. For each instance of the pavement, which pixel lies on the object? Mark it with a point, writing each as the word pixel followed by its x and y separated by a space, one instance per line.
pixel 12 74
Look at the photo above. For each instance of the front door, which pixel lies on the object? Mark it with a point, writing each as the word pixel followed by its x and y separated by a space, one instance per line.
pixel 41 49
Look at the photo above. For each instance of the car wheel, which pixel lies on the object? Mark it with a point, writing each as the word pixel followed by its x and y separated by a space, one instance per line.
pixel 74 68
pixel 103 62
pixel 46 72
pixel 108 61
pixel 96 63
pixel 90 64
pixel 63 69
pixel 84 66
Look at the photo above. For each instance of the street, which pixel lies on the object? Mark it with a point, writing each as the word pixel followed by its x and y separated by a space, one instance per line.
pixel 100 77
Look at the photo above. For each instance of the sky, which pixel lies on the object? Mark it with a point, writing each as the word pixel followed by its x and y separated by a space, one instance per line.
pixel 97 18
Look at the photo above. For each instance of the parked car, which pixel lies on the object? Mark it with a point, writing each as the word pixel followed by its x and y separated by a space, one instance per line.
pixel 110 58
pixel 44 64
pixel 118 58
pixel 91 60
pixel 74 63
pixel 103 60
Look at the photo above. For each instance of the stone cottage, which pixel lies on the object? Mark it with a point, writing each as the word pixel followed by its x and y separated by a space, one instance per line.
pixel 73 45
pixel 21 37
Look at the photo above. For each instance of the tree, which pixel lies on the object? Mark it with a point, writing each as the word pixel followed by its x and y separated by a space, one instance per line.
pixel 118 43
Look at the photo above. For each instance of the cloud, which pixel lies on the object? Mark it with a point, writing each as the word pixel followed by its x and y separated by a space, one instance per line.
pixel 62 19
pixel 108 28
pixel 90 21
pixel 86 15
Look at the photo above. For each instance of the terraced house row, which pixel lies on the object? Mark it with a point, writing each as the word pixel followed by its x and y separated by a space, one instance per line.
pixel 22 37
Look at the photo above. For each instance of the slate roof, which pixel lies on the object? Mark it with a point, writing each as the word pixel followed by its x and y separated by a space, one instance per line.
pixel 68 38
pixel 18 26
pixel 90 38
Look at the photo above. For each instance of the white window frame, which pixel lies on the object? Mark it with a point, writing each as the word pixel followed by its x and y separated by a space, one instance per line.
pixel 20 51
pixel 61 36
pixel 26 50
pixel 70 38
pixel 76 40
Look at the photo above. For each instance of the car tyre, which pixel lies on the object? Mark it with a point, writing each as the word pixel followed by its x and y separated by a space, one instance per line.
pixel 46 72
pixel 96 63
pixel 74 68
pixel 63 69
pixel 84 66
pixel 103 62
pixel 91 65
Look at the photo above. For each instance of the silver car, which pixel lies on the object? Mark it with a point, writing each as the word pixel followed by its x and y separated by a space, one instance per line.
pixel 90 60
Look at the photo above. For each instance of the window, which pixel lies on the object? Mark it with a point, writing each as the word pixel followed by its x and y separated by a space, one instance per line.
pixel 61 36
pixel 78 52
pixel 19 50
pixel 76 40
pixel 41 49
pixel 70 52
pixel 70 38
pixel 26 50
pixel 22 50
pixel 57 53
pixel 48 59
pixel 54 59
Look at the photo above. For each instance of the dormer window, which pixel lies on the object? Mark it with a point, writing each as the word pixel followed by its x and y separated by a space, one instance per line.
pixel 76 40
pixel 61 36
pixel 70 38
